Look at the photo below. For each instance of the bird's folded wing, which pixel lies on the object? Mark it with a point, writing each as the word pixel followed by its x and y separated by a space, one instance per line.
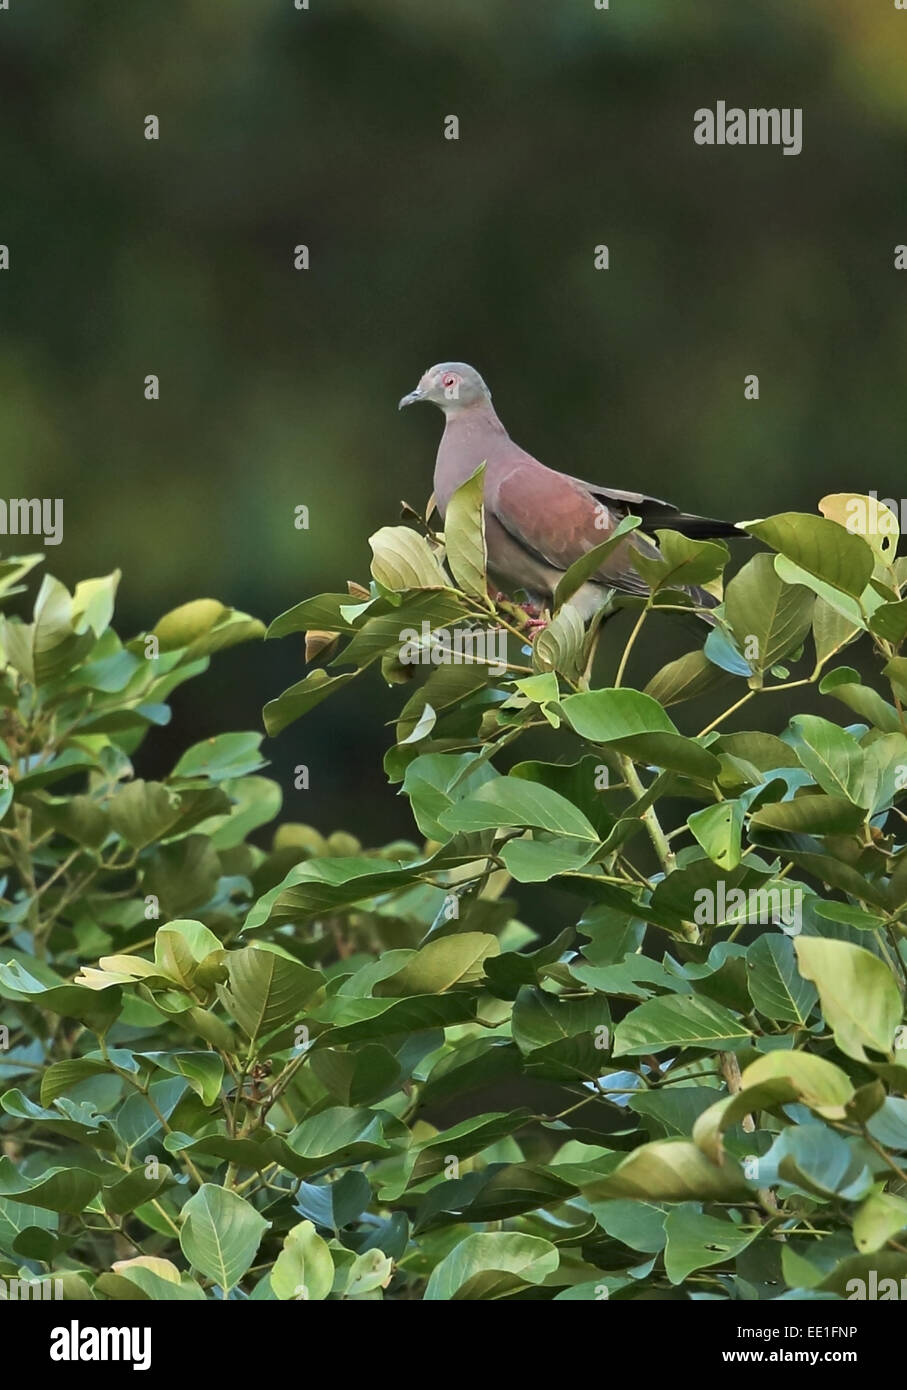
pixel 558 520
pixel 656 513
pixel 626 501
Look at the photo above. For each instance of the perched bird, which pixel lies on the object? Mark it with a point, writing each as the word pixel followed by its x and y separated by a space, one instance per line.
pixel 538 521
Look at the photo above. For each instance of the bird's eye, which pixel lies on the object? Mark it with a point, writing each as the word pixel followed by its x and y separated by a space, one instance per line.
pixel 449 380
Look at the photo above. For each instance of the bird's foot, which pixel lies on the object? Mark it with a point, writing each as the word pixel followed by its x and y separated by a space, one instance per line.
pixel 535 618
pixel 530 617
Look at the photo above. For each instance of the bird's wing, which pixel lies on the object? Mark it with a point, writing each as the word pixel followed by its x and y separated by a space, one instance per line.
pixel 656 513
pixel 558 519
pixel 625 500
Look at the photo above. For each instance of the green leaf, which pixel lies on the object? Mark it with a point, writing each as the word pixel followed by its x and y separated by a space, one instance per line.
pixel 180 949
pixel 69 1001
pixel 357 1078
pixel 143 1277
pixel 866 516
pixel 833 629
pixel 513 801
pixel 846 913
pixel 858 994
pixel 304 1269
pixel 826 865
pixel 811 815
pixel 686 678
pixel 56 1189
pixel 61 1077
pixel 183 875
pixel 53 643
pixel 561 1038
pixel 441 965
pixel 220 1234
pixel 637 725
pixel 678 1021
pixel 814 1157
pixel 843 683
pixel 257 1154
pixel 889 621
pixel 79 818
pixel 831 755
pixel 14 568
pixel 203 1070
pixel 325 885
pixel 682 562
pixel 880 1217
pixel 339 1137
pixel 228 755
pixel 464 534
pixel 819 546
pixel 335 1205
pixel 134 1188
pixel 777 989
pixel 143 812
pixel 405 629
pixel 541 690
pixel 359 1020
pixel 766 752
pixel 492 1265
pixel 696 1241
pixel 368 1273
pixel 447 687
pixel 815 1081
pixel 669 1170
pixel 325 612
pixel 768 618
pixel 537 861
pixel 255 802
pixel 718 829
pixel 92 603
pixel 673 1110
pixel 585 783
pixel 434 782
pixel 896 671
pixel 189 623
pixel 402 559
pixel 641 1225
pixel 267 991
pixel 881 1272
pixel 462 1140
pixel 561 646
pixel 849 611
pixel 301 697
pixel 202 627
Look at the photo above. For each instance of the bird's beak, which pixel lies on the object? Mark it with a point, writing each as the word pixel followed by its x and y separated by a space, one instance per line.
pixel 411 398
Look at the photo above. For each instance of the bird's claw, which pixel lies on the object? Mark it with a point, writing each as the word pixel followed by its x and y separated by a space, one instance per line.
pixel 529 616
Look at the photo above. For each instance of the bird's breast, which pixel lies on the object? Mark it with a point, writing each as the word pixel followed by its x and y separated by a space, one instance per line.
pixel 465 444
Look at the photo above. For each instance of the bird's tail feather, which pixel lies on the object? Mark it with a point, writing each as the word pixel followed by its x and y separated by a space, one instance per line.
pixel 705 600
pixel 703 528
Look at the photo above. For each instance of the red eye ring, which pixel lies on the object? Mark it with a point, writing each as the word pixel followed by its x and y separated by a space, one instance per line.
pixel 448 380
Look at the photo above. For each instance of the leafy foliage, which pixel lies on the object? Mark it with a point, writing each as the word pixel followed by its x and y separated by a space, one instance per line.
pixel 323 1071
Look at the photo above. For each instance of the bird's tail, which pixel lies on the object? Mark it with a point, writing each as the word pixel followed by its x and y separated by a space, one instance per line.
pixel 703 528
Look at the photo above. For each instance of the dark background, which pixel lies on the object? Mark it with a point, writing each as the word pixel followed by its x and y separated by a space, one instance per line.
pixel 279 387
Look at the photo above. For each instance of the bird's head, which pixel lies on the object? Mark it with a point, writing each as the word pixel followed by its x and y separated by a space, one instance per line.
pixel 451 386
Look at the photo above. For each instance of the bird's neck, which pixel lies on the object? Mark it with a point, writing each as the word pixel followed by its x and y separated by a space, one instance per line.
pixel 472 435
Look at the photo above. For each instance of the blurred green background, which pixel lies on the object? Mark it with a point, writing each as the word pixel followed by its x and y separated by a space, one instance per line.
pixel 279 387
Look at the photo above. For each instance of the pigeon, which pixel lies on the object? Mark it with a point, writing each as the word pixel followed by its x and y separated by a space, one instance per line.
pixel 539 521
